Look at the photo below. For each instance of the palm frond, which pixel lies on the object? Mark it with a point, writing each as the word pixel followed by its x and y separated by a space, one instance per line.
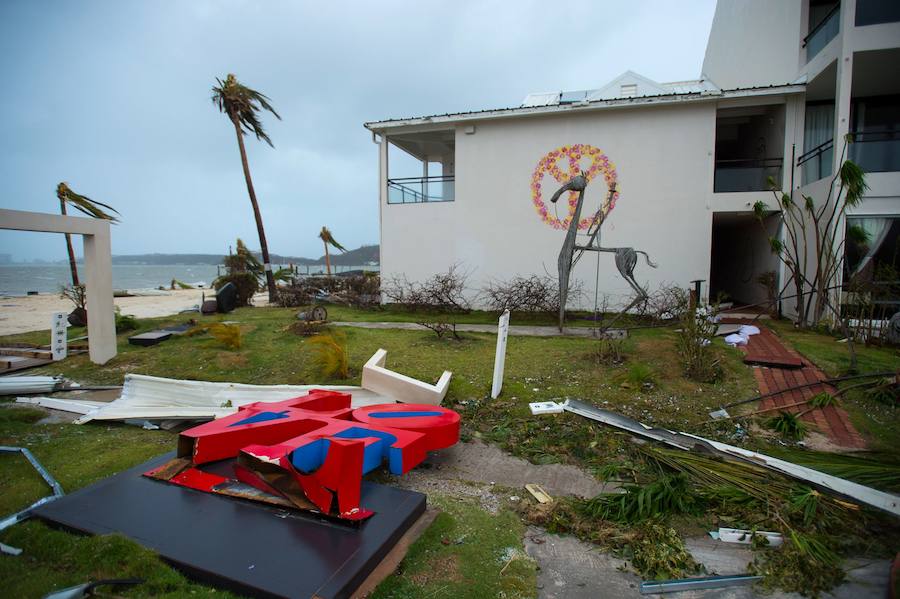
pixel 328 356
pixel 228 334
pixel 243 104
pixel 326 236
pixel 85 204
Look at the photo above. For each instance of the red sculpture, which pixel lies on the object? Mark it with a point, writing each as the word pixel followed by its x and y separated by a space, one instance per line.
pixel 309 452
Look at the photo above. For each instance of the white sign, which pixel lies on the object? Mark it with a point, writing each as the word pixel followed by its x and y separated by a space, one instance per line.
pixel 58 339
pixel 500 357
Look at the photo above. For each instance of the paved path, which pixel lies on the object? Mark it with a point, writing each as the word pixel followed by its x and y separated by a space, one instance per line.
pixel 523 330
pixel 831 420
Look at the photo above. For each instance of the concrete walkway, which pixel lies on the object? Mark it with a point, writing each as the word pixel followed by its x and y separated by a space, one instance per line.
pixel 519 330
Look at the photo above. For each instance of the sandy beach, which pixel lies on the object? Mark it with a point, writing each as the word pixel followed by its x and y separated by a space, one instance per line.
pixel 33 312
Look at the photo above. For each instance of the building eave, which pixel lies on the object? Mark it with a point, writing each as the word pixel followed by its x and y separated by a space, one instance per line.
pixel 581 107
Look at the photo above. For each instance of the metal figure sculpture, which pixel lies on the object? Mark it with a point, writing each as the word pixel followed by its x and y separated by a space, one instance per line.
pixel 571 252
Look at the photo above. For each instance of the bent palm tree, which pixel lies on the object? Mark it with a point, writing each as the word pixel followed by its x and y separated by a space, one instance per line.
pixel 83 204
pixel 242 105
pixel 327 239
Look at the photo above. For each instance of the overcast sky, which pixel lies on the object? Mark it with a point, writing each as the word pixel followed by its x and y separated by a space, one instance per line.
pixel 114 98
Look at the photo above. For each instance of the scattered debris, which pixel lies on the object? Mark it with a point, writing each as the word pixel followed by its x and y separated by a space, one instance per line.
pixel 745 537
pixel 545 407
pixel 25 513
pixel 87 589
pixel 879 499
pixel 154 398
pixel 77 406
pixel 405 389
pixel 691 584
pixel 27 385
pixel 149 338
pixel 538 493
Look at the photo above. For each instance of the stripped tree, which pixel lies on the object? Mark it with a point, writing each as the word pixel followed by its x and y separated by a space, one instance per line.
pixel 242 106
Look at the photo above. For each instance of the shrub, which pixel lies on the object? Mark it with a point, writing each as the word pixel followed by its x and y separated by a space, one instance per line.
pixel 694 345
pixel 787 425
pixel 439 299
pixel 228 334
pixel 638 376
pixel 609 352
pixel 125 322
pixel 247 285
pixel 520 294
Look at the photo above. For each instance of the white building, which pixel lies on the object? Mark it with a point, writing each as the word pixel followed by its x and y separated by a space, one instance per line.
pixel 782 84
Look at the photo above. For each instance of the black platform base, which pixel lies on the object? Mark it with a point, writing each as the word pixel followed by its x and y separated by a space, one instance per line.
pixel 247 547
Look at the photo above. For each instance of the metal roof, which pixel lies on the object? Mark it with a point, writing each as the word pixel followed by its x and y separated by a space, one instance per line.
pixel 548 103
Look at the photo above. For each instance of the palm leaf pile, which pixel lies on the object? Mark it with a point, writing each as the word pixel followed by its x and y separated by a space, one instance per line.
pixel 228 334
pixel 788 425
pixel 328 356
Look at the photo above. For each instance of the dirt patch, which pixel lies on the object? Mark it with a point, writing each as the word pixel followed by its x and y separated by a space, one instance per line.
pixel 226 360
pixel 444 568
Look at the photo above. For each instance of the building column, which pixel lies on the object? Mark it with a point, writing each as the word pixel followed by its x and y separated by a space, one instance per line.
pixel 100 306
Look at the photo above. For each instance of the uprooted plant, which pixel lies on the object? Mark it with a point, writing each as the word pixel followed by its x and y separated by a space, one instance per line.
pixel 227 334
pixel 328 356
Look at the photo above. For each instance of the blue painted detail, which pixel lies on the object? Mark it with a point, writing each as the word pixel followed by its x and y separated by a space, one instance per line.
pixel 261 417
pixel 402 414
pixel 311 456
pixel 375 453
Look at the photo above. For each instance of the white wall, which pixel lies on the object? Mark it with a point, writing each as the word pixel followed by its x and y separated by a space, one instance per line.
pixel 754 43
pixel 664 160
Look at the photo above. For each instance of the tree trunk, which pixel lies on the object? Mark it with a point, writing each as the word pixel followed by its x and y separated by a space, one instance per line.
pixel 327 260
pixel 72 266
pixel 263 246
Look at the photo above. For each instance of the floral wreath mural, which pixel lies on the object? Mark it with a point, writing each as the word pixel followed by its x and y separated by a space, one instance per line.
pixel 575 155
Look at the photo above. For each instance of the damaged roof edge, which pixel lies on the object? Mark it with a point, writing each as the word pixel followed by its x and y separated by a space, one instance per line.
pixel 523 111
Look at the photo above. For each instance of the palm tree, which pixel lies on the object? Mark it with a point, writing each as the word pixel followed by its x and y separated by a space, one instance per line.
pixel 327 239
pixel 242 105
pixel 83 204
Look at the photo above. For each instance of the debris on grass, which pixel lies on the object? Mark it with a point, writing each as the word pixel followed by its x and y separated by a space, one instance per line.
pixel 787 425
pixel 329 357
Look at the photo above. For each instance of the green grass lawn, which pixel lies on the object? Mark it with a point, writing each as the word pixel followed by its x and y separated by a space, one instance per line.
pixel 648 386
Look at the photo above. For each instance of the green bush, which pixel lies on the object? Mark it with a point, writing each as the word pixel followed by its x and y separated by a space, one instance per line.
pixel 247 284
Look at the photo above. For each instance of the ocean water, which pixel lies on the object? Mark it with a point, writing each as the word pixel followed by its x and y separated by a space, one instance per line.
pixel 19 279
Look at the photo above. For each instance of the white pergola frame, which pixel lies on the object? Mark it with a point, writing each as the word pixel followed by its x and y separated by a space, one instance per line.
pixel 97 267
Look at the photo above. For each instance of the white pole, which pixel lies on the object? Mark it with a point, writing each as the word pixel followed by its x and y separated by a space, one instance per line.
pixel 500 357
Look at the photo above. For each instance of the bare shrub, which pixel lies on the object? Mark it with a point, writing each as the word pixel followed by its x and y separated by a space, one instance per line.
pixel 669 302
pixel 609 352
pixel 523 294
pixel 439 299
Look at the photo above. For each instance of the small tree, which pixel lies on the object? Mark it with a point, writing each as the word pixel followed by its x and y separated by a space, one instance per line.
pixel 813 247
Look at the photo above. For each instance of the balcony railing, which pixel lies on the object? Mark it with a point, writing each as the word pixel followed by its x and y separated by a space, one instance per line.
pixel 418 190
pixel 817 162
pixel 747 174
pixel 876 151
pixel 822 33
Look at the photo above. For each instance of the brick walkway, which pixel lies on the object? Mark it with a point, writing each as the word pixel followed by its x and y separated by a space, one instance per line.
pixel 767 348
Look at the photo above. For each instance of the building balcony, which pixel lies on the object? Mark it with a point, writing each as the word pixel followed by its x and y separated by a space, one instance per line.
pixel 752 174
pixel 822 33
pixel 817 162
pixel 876 151
pixel 419 190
